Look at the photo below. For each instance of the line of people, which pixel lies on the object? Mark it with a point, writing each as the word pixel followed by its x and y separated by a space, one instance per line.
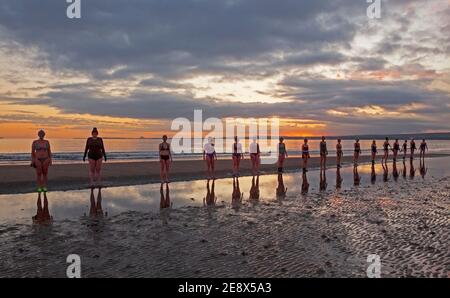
pixel 41 156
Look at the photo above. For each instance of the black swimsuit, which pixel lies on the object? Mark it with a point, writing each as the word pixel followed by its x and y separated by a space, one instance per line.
pixel 95 148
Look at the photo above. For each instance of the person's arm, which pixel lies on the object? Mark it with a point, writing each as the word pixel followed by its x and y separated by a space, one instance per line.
pixel 285 151
pixel 86 149
pixel 170 153
pixel 49 153
pixel 33 155
pixel 215 155
pixel 103 150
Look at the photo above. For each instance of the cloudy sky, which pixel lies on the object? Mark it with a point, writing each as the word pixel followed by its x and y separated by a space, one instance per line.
pixel 130 67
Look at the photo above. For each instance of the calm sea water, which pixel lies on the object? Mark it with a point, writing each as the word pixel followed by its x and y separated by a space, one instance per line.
pixel 17 151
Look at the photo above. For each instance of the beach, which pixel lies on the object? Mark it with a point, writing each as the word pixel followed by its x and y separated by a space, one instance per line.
pixel 21 178
pixel 326 231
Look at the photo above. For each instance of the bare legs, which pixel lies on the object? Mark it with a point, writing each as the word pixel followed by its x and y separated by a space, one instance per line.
pixel 164 171
pixel 95 171
pixel 255 164
pixel 42 172
pixel 323 161
pixel 210 167
pixel 236 165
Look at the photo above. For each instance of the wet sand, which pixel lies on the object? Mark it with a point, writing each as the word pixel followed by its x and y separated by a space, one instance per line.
pixel 21 178
pixel 322 232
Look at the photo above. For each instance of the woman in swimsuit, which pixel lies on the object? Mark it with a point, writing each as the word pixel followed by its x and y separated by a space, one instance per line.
pixel 305 155
pixel 386 146
pixel 41 159
pixel 412 147
pixel 405 149
pixel 374 151
pixel 396 149
pixel 209 154
pixel 255 154
pixel 423 147
pixel 339 153
pixel 282 154
pixel 95 151
pixel 237 156
pixel 165 158
pixel 357 151
pixel 323 153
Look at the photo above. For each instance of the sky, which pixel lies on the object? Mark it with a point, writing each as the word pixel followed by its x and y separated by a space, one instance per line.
pixel 131 67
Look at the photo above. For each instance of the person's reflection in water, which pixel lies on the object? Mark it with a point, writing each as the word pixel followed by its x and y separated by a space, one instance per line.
pixel 338 179
pixel 323 181
pixel 96 209
pixel 422 168
pixel 385 172
pixel 210 199
pixel 373 175
pixel 394 170
pixel 42 214
pixel 305 184
pixel 356 176
pixel 237 195
pixel 165 198
pixel 254 189
pixel 404 169
pixel 412 170
pixel 281 189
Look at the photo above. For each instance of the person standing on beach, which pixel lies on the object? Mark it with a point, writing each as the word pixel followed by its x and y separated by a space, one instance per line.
pixel 412 148
pixel 255 156
pixel 386 147
pixel 423 147
pixel 210 156
pixel 305 155
pixel 41 160
pixel 95 151
pixel 357 151
pixel 323 153
pixel 396 149
pixel 282 154
pixel 165 158
pixel 237 156
pixel 374 151
pixel 339 153
pixel 405 149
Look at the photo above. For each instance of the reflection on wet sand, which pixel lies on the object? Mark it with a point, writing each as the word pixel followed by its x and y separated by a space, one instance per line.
pixel 394 170
pixel 323 180
pixel 338 178
pixel 237 195
pixel 165 198
pixel 305 183
pixel 373 174
pixel 281 188
pixel 422 168
pixel 96 209
pixel 210 199
pixel 412 170
pixel 404 169
pixel 254 189
pixel 42 214
pixel 385 172
pixel 356 176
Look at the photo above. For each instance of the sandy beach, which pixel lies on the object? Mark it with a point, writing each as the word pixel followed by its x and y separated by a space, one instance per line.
pixel 21 178
pixel 321 233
